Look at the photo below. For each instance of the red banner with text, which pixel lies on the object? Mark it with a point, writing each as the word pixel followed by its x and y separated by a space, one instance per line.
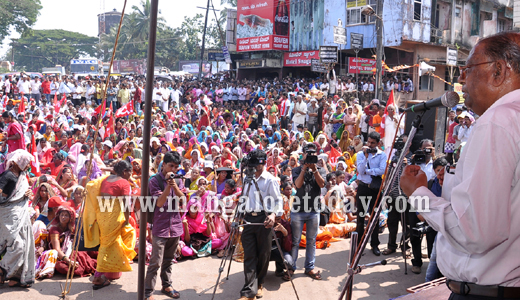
pixel 300 58
pixel 262 25
pixel 361 65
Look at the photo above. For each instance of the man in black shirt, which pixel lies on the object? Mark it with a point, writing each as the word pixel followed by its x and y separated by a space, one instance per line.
pixel 309 180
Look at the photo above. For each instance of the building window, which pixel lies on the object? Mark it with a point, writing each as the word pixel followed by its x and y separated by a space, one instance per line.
pixel 417 10
pixel 426 83
pixel 354 16
pixel 501 25
pixel 457 11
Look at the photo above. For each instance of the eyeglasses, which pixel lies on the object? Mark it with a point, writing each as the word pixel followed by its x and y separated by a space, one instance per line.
pixel 465 68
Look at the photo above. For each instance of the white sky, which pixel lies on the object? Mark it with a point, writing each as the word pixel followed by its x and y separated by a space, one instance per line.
pixel 80 16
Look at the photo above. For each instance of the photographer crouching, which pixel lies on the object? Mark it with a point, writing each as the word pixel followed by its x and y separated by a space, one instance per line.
pixel 309 180
pixel 256 240
pixel 371 165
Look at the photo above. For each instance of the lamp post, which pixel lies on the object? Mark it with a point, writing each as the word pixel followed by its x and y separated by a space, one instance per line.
pixel 367 10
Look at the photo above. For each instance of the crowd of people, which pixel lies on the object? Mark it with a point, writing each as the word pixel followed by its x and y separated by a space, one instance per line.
pixel 202 131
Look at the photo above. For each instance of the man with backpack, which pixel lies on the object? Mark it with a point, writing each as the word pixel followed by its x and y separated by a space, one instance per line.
pixel 167 224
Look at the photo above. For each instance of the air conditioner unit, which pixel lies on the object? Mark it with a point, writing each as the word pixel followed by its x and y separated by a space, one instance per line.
pixel 437 32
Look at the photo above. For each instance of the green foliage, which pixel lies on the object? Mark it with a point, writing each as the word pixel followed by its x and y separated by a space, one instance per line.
pixel 47 48
pixel 20 14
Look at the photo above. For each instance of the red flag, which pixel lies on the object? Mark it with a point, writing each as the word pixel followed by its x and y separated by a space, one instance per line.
pixel 110 126
pixel 333 156
pixel 21 106
pixel 35 165
pixel 125 110
pixel 56 103
pixel 389 102
pixel 63 100
pixel 101 108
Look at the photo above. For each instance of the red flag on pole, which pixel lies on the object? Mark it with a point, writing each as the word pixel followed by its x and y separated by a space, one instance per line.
pixel 125 110
pixel 101 108
pixel 333 156
pixel 35 165
pixel 111 123
pixel 56 104
pixel 21 107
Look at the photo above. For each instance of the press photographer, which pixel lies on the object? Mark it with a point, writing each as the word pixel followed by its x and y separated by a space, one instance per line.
pixel 371 165
pixel 309 180
pixel 423 157
pixel 256 240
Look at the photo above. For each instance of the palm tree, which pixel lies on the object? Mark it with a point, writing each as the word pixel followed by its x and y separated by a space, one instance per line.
pixel 139 21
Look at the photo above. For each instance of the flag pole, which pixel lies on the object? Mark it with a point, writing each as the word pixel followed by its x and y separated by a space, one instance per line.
pixel 152 37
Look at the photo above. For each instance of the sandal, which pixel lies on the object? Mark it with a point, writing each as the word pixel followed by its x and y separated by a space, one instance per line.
pixel 286 276
pixel 172 294
pixel 311 274
pixel 100 286
pixel 18 284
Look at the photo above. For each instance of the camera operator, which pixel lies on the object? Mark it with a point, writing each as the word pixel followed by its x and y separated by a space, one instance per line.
pixel 424 158
pixel 256 240
pixel 371 165
pixel 167 225
pixel 309 180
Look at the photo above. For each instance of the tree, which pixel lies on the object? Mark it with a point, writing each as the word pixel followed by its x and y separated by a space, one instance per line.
pixel 139 21
pixel 47 48
pixel 19 15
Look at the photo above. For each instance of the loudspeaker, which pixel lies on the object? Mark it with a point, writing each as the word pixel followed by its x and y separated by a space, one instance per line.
pixel 433 127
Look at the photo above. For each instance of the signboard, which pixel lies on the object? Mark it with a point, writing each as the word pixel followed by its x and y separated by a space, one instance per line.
pixel 317 66
pixel 137 66
pixel 340 34
pixel 356 41
pixel 300 58
pixel 451 57
pixel 192 67
pixel 215 55
pixel 457 87
pixel 361 65
pixel 250 64
pixel 84 61
pixel 329 54
pixel 262 25
pixel 227 56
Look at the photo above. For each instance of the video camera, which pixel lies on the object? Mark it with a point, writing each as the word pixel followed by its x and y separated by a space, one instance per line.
pixel 171 175
pixel 420 155
pixel 311 157
pixel 252 160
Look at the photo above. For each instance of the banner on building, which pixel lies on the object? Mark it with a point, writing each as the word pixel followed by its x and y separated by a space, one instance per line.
pixel 133 66
pixel 193 66
pixel 307 22
pixel 300 58
pixel 262 25
pixel 361 65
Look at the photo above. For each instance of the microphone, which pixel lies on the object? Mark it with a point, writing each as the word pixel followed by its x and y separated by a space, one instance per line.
pixel 449 99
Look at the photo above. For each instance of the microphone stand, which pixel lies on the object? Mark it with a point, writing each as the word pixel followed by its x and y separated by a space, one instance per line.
pixel 353 266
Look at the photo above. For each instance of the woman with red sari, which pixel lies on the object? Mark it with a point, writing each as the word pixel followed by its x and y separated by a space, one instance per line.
pixel 15 137
pixel 204 115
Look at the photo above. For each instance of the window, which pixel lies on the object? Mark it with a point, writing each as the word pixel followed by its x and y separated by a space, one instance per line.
pixel 354 15
pixel 426 83
pixel 417 10
pixel 501 25
pixel 457 11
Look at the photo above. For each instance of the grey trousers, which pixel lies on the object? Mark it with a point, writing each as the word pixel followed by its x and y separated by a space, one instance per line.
pixel 163 251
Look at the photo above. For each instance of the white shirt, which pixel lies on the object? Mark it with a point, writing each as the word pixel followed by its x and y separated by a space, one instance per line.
pixel 269 187
pixel 300 118
pixel 478 217
pixel 35 86
pixel 464 133
pixel 24 87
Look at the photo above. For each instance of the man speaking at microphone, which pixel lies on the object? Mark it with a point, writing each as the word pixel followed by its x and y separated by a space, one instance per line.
pixel 478 219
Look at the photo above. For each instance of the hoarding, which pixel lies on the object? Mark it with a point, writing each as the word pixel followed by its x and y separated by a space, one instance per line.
pixel 192 67
pixel 262 25
pixel 300 58
pixel 317 66
pixel 134 66
pixel 361 65
pixel 328 54
pixel 307 21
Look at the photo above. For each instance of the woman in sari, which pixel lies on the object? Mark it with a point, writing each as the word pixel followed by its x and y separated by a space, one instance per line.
pixel 66 181
pixel 196 159
pixel 358 111
pixel 272 110
pixel 345 141
pixel 308 136
pixel 76 198
pixel 357 142
pixel 336 120
pixel 14 137
pixel 16 236
pixel 350 121
pixel 41 197
pixel 274 159
pixel 110 229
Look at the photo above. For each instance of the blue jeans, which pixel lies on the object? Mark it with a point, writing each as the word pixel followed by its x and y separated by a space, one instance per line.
pixel 312 220
pixel 433 272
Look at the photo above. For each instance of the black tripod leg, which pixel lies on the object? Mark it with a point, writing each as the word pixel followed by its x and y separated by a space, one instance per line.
pixel 403 239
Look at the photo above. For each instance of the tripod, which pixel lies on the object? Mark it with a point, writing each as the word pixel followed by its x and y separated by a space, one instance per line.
pixel 235 230
pixel 353 267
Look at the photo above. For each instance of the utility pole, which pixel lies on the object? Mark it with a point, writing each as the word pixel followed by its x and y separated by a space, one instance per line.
pixel 379 51
pixel 203 41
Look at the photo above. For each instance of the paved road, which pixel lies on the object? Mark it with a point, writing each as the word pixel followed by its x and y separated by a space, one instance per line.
pixel 193 278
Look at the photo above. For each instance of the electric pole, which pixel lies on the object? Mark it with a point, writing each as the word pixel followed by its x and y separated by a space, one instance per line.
pixel 379 51
pixel 203 42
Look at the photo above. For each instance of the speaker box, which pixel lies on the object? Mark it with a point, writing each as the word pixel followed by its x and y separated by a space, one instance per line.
pixel 433 127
